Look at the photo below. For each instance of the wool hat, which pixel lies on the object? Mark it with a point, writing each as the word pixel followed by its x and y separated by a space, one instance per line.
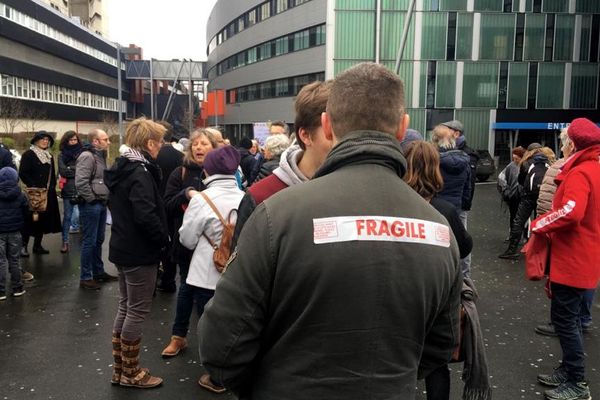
pixel 9 175
pixel 534 146
pixel 410 136
pixel 40 135
pixel 246 143
pixel 584 133
pixel 222 161
pixel 454 125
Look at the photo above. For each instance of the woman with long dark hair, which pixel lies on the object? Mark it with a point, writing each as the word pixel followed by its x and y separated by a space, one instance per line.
pixel 70 147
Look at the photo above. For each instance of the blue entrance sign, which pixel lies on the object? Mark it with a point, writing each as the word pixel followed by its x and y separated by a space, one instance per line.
pixel 531 125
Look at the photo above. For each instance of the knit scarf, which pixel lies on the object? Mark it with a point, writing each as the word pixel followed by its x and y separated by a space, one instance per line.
pixel 132 154
pixel 43 155
pixel 70 152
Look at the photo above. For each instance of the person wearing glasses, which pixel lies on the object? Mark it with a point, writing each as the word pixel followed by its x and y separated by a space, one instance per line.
pixel 92 196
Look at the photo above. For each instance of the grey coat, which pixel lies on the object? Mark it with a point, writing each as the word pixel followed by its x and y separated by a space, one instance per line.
pixel 91 188
pixel 345 319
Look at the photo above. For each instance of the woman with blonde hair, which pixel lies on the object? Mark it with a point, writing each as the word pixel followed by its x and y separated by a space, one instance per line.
pixel 182 182
pixel 138 239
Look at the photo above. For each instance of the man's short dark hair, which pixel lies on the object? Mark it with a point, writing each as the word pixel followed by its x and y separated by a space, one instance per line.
pixel 310 103
pixel 168 138
pixel 286 128
pixel 367 96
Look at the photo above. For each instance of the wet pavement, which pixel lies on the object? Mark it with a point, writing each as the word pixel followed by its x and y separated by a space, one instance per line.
pixel 55 340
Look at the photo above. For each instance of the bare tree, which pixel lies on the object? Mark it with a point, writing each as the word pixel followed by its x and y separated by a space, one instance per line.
pixel 109 124
pixel 33 118
pixel 11 114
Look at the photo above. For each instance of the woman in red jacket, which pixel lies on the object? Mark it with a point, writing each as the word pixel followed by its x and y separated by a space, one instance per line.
pixel 573 227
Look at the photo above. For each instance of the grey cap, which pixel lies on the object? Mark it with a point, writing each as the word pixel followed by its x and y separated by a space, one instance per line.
pixel 534 146
pixel 454 124
pixel 410 136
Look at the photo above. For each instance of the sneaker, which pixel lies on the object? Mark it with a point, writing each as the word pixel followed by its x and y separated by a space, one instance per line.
pixel 27 276
pixel 546 330
pixel 2 296
pixel 19 292
pixel 89 284
pixel 73 231
pixel 557 378
pixel 569 391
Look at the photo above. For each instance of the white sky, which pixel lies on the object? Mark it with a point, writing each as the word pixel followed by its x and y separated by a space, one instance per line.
pixel 164 29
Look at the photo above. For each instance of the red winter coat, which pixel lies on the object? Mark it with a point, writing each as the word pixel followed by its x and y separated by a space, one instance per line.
pixel 574 222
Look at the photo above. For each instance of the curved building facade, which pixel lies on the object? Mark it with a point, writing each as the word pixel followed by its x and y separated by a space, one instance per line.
pixel 513 71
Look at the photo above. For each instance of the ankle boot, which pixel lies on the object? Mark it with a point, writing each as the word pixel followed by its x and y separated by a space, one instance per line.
pixel 132 375
pixel 512 252
pixel 177 344
pixel 118 362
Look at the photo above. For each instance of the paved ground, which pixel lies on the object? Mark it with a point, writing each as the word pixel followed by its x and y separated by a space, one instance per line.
pixel 55 341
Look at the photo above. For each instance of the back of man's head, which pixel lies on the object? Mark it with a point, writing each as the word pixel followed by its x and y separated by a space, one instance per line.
pixel 168 137
pixel 93 135
pixel 367 96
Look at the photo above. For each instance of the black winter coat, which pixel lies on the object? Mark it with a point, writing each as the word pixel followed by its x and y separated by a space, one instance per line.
pixel 249 165
pixel 267 168
pixel 168 159
pixel 13 208
pixel 176 201
pixel 6 159
pixel 35 174
pixel 139 230
pixel 67 171
pixel 463 239
pixel 473 160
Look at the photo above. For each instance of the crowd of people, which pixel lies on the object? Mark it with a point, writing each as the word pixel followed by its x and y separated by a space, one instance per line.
pixel 333 233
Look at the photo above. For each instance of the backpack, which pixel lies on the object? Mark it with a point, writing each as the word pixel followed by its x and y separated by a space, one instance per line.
pixel 223 249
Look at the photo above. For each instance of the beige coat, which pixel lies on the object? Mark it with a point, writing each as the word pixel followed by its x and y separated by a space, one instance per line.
pixel 548 188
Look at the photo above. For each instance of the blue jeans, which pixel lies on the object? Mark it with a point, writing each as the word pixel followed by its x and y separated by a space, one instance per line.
pixel 10 248
pixel 186 297
pixel 565 312
pixel 71 213
pixel 93 222
pixel 75 218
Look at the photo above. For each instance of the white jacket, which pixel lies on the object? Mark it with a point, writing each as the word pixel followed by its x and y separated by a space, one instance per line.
pixel 198 218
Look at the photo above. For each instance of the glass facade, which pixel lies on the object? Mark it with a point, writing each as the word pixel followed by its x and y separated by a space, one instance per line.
pixel 271 89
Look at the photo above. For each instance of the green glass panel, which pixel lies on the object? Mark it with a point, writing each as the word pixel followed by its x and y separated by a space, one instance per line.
pixel 433 45
pixel 529 6
pixel 477 127
pixel 497 37
pixel 418 119
pixel 355 4
pixel 464 37
pixel 340 66
pixel 535 37
pixel 480 85
pixel 551 84
pixel 517 85
pixel 589 6
pixel 555 6
pixel 401 5
pixel 564 33
pixel 406 75
pixel 423 86
pixel 488 5
pixel 355 35
pixel 453 5
pixel 445 85
pixel 584 86
pixel 586 30
pixel 392 24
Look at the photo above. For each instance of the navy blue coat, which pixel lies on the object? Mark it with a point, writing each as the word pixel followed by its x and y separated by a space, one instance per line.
pixel 13 207
pixel 456 171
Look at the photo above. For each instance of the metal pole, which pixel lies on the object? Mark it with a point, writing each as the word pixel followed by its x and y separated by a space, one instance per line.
pixel 120 95
pixel 377 31
pixel 404 35
pixel 190 100
pixel 171 95
pixel 151 91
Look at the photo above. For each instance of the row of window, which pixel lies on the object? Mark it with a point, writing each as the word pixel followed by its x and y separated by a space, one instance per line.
pixel 290 43
pixel 286 87
pixel 26 89
pixel 549 6
pixel 451 36
pixel 257 14
pixel 43 29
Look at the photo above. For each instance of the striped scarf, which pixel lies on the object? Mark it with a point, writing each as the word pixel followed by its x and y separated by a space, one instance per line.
pixel 43 155
pixel 132 154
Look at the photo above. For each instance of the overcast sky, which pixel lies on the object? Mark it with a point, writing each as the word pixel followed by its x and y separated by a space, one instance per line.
pixel 164 29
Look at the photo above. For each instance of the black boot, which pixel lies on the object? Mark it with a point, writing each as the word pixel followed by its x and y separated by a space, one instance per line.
pixel 37 247
pixel 512 253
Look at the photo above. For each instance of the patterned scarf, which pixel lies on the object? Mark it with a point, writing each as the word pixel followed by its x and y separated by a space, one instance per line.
pixel 43 155
pixel 132 154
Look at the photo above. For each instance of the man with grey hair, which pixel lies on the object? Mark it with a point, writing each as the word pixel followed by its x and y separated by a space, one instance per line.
pixel 274 146
pixel 346 286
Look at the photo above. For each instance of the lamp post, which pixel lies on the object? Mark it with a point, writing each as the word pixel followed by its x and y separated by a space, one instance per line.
pixel 122 51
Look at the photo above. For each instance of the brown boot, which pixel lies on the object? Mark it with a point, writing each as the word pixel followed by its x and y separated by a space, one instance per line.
pixel 132 375
pixel 208 384
pixel 177 344
pixel 118 362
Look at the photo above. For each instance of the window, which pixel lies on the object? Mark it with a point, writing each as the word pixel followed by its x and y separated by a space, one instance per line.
pixel 551 6
pixel 265 11
pixel 301 40
pixel 550 85
pixel 464 36
pixel 564 33
pixel 252 58
pixel 252 17
pixel 518 78
pixel 586 31
pixel 282 5
pixel 584 86
pixel 452 5
pixel 359 25
pixel 535 37
pixel 488 5
pixel 587 6
pixel 281 46
pixel 391 31
pixel 433 45
pixel 480 85
pixel 282 88
pixel 445 85
pixel 497 37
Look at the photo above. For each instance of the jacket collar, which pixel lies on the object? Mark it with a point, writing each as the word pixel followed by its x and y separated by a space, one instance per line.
pixel 365 147
pixel 592 153
pixel 223 181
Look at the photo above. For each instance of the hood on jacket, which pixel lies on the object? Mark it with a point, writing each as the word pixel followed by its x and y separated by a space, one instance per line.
pixel 454 161
pixel 9 188
pixel 539 158
pixel 124 167
pixel 288 170
pixel 365 147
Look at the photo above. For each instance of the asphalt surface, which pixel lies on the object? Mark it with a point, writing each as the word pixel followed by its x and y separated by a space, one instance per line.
pixel 55 340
